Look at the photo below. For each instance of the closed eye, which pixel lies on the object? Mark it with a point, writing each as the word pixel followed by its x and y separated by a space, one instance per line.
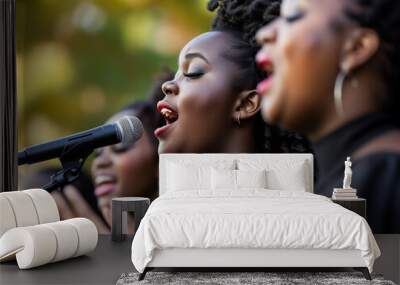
pixel 294 17
pixel 121 147
pixel 193 74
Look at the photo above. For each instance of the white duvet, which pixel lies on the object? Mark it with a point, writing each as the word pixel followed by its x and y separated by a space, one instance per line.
pixel 250 219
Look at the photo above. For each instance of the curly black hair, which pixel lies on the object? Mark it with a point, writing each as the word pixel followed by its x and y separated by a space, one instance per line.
pixel 383 16
pixel 242 19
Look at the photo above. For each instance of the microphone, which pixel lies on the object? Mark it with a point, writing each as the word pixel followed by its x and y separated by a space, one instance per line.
pixel 128 129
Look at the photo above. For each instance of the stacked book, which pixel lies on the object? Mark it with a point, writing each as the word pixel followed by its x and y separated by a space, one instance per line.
pixel 344 194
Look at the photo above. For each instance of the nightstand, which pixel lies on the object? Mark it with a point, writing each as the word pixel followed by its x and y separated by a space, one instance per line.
pixel 357 205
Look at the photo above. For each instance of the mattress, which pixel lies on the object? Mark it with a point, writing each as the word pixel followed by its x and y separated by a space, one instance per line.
pixel 251 219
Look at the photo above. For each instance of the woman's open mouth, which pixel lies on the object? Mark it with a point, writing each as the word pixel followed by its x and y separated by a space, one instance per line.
pixel 265 63
pixel 104 184
pixel 170 115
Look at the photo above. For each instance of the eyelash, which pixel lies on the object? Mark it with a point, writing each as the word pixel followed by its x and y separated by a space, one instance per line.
pixel 121 149
pixel 294 17
pixel 193 74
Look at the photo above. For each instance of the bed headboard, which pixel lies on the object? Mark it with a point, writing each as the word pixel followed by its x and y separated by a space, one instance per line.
pixel 269 158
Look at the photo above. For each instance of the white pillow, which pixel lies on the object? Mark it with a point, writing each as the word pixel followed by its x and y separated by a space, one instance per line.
pixel 223 179
pixel 181 177
pixel 251 178
pixel 186 174
pixel 236 179
pixel 287 174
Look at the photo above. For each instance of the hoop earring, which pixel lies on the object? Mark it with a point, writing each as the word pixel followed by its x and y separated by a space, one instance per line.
pixel 338 93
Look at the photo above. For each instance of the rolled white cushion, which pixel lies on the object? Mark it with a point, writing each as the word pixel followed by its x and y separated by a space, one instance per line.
pixel 46 207
pixel 7 218
pixel 40 244
pixel 87 235
pixel 23 208
pixel 33 246
pixel 67 240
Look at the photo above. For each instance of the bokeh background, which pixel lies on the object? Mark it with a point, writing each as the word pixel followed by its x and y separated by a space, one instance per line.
pixel 79 61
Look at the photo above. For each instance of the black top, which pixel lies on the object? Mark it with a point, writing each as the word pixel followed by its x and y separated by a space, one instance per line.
pixel 375 176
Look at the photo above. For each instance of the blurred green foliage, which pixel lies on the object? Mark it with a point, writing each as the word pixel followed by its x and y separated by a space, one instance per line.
pixel 79 61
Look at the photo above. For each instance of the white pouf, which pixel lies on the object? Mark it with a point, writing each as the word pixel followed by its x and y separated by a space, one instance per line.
pixel 7 218
pixel 23 208
pixel 40 244
pixel 33 246
pixel 67 240
pixel 87 234
pixel 46 207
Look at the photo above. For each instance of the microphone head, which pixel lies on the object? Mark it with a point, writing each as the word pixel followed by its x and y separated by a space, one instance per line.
pixel 131 129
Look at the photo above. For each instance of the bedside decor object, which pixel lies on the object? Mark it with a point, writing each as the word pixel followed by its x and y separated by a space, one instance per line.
pixel 347 192
pixel 348 173
pixel 357 205
pixel 344 194
pixel 120 208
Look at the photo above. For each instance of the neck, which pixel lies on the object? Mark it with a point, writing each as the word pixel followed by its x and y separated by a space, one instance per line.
pixel 358 99
pixel 241 139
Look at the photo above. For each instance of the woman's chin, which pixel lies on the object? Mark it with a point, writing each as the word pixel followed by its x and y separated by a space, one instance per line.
pixel 164 147
pixel 161 146
pixel 174 144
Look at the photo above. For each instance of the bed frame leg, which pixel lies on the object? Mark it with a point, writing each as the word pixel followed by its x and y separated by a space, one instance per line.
pixel 143 274
pixel 364 271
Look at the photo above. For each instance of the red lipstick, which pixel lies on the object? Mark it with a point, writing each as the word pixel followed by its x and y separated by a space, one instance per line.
pixel 170 115
pixel 263 61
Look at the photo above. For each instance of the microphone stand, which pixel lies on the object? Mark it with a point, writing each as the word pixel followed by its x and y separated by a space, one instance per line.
pixel 72 161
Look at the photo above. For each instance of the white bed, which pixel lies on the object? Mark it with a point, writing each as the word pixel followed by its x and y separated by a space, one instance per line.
pixel 198 223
